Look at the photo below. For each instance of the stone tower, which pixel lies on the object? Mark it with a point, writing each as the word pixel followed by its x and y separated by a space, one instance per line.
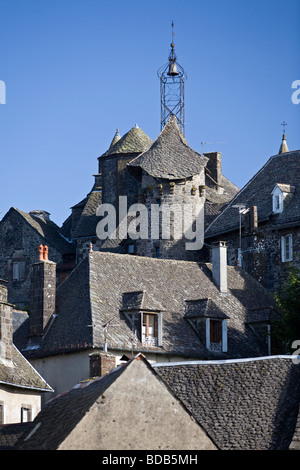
pixel 173 185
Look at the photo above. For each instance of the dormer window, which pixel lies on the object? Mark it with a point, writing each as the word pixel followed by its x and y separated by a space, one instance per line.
pixel 277 200
pixel 280 196
pixel 210 323
pixel 216 334
pixel 150 329
pixel 144 315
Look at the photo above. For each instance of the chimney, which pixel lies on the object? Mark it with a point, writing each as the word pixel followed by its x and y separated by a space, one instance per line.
pixel 214 165
pixel 6 326
pixel 43 293
pixel 219 266
pixel 101 363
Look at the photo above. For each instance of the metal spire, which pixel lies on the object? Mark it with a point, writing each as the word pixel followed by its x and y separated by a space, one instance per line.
pixel 172 78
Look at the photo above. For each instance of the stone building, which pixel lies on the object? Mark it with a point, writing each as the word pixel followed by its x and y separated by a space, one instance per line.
pixel 21 387
pixel 131 397
pixel 170 310
pixel 250 404
pixel 261 224
pixel 166 171
pixel 20 234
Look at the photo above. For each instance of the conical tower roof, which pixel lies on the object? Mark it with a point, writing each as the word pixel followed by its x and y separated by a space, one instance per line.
pixel 170 156
pixel 135 141
pixel 116 138
pixel 283 147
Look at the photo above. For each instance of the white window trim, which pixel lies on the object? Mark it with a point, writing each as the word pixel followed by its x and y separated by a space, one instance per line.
pixel 277 193
pixel 224 342
pixel 284 256
pixel 158 336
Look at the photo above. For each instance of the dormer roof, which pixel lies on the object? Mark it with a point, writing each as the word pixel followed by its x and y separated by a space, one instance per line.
pixel 140 300
pixel 285 188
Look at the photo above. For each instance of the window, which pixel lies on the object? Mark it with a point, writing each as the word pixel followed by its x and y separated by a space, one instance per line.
pixel 152 329
pixel 149 329
pixel 277 200
pixel 1 413
pixel 26 414
pixel 216 335
pixel 286 248
pixel 131 249
pixel 18 270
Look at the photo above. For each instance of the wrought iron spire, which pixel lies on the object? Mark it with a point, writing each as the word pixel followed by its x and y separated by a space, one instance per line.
pixel 172 78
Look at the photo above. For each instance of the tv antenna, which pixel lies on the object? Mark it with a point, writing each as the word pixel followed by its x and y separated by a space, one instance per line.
pixel 204 143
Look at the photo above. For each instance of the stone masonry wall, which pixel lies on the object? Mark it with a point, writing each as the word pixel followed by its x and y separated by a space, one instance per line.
pixel 190 192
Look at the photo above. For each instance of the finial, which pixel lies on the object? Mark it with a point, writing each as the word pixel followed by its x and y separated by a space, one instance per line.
pixel 283 147
pixel 172 42
pixel 284 124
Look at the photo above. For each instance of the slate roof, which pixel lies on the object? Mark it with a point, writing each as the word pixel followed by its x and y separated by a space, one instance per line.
pixel 46 229
pixel 279 169
pixel 134 141
pixel 86 225
pixel 170 156
pixel 242 405
pixel 57 418
pixel 10 433
pixel 249 405
pixel 21 374
pixel 93 294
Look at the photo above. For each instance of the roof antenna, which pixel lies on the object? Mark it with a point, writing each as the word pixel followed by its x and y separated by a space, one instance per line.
pixel 105 327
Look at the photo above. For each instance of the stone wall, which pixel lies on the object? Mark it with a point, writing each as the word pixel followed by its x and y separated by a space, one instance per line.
pixel 183 194
pixel 19 242
pixel 261 251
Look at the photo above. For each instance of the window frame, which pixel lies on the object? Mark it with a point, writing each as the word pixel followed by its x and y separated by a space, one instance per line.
pixel 2 413
pixel 287 251
pixel 277 200
pixel 26 412
pixel 18 270
pixel 154 339
pixel 223 345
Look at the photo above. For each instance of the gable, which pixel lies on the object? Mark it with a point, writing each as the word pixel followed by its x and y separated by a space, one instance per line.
pixel 129 408
pixel 284 168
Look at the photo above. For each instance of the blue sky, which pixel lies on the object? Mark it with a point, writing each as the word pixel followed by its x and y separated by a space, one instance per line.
pixel 75 70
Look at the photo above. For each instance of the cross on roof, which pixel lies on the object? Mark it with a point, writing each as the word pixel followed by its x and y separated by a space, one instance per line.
pixel 284 124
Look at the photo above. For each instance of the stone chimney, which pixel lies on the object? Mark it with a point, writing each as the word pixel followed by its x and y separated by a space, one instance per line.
pixel 101 363
pixel 43 293
pixel 214 165
pixel 219 266
pixel 6 326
